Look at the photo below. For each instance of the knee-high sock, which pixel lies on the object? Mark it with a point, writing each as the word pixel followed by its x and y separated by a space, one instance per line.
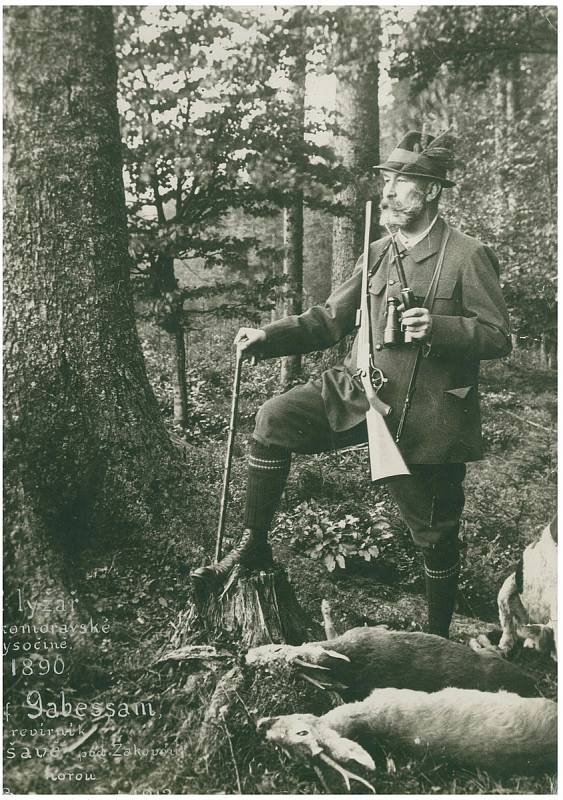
pixel 441 572
pixel 268 468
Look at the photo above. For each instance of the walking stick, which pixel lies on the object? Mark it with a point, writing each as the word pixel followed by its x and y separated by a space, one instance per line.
pixel 229 457
pixel 258 607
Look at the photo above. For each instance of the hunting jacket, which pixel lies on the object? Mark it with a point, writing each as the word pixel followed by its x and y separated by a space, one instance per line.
pixel 469 324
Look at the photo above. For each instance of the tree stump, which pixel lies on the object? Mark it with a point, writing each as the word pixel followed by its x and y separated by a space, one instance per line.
pixel 258 608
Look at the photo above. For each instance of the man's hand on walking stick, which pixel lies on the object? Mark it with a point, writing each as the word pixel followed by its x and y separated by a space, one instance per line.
pixel 246 340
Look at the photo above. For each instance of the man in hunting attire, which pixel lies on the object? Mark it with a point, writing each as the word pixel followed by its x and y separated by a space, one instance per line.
pixel 458 319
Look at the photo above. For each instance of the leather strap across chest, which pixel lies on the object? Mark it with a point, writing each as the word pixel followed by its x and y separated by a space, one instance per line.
pixel 428 303
pixel 435 280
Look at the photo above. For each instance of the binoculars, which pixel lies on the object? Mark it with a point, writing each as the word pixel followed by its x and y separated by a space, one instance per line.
pixel 393 335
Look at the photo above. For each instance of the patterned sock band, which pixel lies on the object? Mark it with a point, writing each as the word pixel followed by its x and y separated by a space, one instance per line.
pixel 268 468
pixel 441 574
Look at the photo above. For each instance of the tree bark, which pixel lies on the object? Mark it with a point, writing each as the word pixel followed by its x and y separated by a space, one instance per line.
pixel 512 114
pixel 293 271
pixel 500 131
pixel 355 62
pixel 163 282
pixel 162 277
pixel 86 451
pixel 548 351
pixel 180 384
pixel 293 212
pixel 513 91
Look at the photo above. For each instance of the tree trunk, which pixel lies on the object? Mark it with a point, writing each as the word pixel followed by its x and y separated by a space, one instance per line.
pixel 357 72
pixel 355 61
pixel 512 114
pixel 180 384
pixel 500 135
pixel 552 354
pixel 162 277
pixel 277 267
pixel 293 212
pixel 293 271
pixel 86 451
pixel 513 91
pixel 548 351
pixel 164 287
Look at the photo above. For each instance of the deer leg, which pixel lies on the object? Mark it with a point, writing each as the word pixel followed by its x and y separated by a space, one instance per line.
pixel 483 646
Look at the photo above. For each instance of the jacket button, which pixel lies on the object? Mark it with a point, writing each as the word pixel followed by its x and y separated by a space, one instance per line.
pixel 391 282
pixel 378 346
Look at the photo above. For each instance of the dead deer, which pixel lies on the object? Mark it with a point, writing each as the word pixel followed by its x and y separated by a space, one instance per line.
pixel 363 659
pixel 527 600
pixel 499 732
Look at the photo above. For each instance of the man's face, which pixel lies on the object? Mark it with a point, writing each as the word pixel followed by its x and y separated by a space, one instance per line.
pixel 403 199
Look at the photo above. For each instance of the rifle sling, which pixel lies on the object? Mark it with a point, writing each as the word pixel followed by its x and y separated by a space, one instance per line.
pixel 429 304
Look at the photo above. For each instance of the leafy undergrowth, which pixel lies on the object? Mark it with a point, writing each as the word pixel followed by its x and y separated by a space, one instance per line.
pixel 139 590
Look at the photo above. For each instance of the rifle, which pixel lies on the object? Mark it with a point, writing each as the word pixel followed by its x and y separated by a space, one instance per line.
pixel 385 458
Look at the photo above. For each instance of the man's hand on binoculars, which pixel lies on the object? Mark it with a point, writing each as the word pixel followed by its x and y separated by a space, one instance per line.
pixel 417 321
pixel 247 341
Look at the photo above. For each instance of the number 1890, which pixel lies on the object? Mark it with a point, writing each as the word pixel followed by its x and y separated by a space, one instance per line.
pixel 40 666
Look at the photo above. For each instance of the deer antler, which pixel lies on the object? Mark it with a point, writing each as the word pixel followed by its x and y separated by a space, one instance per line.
pixel 334 654
pixel 324 685
pixel 314 653
pixel 321 681
pixel 311 740
pixel 346 774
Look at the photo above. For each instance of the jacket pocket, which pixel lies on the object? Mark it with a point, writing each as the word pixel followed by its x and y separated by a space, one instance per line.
pixel 378 282
pixel 462 392
pixel 445 290
pixel 461 423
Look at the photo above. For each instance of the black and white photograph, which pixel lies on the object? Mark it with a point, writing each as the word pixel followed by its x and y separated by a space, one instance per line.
pixel 280 399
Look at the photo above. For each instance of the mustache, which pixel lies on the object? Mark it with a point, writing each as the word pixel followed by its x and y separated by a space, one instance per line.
pixel 416 205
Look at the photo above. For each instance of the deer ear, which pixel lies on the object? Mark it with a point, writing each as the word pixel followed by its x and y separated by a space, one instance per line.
pixel 345 750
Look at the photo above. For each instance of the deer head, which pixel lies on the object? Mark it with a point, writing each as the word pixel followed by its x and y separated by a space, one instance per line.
pixel 308 737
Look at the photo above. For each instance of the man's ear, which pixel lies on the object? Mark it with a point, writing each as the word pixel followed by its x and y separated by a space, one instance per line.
pixel 433 191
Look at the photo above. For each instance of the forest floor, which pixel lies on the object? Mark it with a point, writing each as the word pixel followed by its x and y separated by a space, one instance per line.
pixel 148 738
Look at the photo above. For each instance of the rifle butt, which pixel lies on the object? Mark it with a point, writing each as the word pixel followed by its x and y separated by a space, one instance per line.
pixel 385 457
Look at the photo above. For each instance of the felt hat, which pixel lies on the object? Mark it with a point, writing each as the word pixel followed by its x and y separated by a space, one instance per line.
pixel 422 155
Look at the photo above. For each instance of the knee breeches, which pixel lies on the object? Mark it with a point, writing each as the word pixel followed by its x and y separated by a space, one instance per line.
pixel 430 500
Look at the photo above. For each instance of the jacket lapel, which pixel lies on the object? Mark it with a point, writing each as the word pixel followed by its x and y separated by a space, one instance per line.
pixel 430 244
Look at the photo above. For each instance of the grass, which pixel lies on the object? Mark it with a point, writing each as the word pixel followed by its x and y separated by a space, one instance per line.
pixel 140 588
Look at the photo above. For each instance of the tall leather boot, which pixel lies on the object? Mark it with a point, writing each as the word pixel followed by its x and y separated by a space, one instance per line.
pixel 268 468
pixel 441 572
pixel 253 552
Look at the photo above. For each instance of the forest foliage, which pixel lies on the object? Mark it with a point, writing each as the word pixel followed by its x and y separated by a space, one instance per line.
pixel 491 73
pixel 213 147
pixel 217 142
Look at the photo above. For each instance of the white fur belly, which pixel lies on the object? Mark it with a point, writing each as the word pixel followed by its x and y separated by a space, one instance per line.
pixel 498 731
